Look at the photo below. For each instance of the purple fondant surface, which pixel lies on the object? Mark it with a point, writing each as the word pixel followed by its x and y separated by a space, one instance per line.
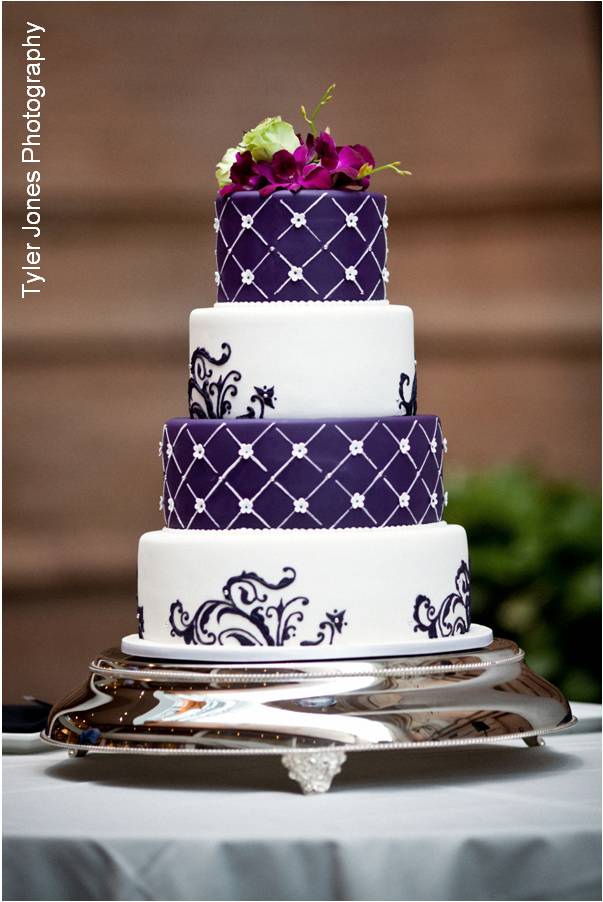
pixel 296 474
pixel 304 246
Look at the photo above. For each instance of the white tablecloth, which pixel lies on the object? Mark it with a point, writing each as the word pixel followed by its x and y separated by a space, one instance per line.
pixel 500 822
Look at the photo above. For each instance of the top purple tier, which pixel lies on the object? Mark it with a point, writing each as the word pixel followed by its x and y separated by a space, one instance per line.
pixel 304 246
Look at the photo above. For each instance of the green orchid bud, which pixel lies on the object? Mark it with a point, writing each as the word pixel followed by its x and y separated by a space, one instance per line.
pixel 365 169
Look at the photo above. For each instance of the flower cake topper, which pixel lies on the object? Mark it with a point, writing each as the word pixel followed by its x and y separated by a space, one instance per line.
pixel 272 156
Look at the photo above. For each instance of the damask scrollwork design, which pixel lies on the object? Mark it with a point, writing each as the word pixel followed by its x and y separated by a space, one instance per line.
pixel 453 616
pixel 334 623
pixel 408 405
pixel 210 394
pixel 209 398
pixel 249 614
pixel 263 397
pixel 140 620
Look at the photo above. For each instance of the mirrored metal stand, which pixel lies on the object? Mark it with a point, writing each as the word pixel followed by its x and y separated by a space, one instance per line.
pixel 310 714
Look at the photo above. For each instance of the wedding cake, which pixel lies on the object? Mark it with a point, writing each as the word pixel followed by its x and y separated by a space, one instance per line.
pixel 303 496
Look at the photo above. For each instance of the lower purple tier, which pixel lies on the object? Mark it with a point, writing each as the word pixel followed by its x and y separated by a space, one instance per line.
pixel 296 474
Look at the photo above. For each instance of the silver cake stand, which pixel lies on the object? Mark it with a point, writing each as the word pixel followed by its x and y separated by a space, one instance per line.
pixel 310 714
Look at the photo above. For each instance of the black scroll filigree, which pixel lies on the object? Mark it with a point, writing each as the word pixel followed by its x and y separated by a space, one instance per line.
pixel 409 406
pixel 140 619
pixel 210 394
pixel 452 616
pixel 247 615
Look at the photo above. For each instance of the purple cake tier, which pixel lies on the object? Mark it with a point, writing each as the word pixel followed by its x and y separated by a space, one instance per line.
pixel 304 246
pixel 292 474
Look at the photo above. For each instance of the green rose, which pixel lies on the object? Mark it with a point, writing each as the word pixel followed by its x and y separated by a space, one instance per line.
pixel 268 137
pixel 223 167
pixel 263 141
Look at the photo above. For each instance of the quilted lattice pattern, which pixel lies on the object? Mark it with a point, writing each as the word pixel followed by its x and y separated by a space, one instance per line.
pixel 296 474
pixel 308 246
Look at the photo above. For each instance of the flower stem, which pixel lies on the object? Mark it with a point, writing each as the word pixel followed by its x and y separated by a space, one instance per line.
pixel 311 120
pixel 393 166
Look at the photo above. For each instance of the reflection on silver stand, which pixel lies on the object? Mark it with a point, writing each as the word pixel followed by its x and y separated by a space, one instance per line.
pixel 311 714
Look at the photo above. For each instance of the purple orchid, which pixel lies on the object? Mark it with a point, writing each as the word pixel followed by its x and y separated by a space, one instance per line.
pixel 316 163
pixel 244 175
pixel 344 163
pixel 294 171
pixel 326 150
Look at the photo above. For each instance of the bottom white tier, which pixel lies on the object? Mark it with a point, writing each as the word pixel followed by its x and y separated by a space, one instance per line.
pixel 305 593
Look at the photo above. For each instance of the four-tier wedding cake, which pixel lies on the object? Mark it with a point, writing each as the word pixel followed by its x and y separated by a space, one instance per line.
pixel 303 497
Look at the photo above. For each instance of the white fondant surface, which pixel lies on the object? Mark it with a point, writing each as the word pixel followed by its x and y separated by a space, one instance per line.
pixel 477 637
pixel 373 575
pixel 323 360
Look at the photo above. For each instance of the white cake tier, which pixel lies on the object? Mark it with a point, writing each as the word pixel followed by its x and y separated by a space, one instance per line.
pixel 285 360
pixel 304 593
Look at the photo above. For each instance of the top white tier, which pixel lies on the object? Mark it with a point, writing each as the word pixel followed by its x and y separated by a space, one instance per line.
pixel 292 360
pixel 304 246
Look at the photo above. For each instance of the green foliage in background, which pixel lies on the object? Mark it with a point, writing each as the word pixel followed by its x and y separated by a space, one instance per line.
pixel 535 549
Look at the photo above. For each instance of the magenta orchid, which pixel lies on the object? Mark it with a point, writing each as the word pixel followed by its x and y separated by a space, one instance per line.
pixel 350 165
pixel 243 175
pixel 296 170
pixel 316 163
